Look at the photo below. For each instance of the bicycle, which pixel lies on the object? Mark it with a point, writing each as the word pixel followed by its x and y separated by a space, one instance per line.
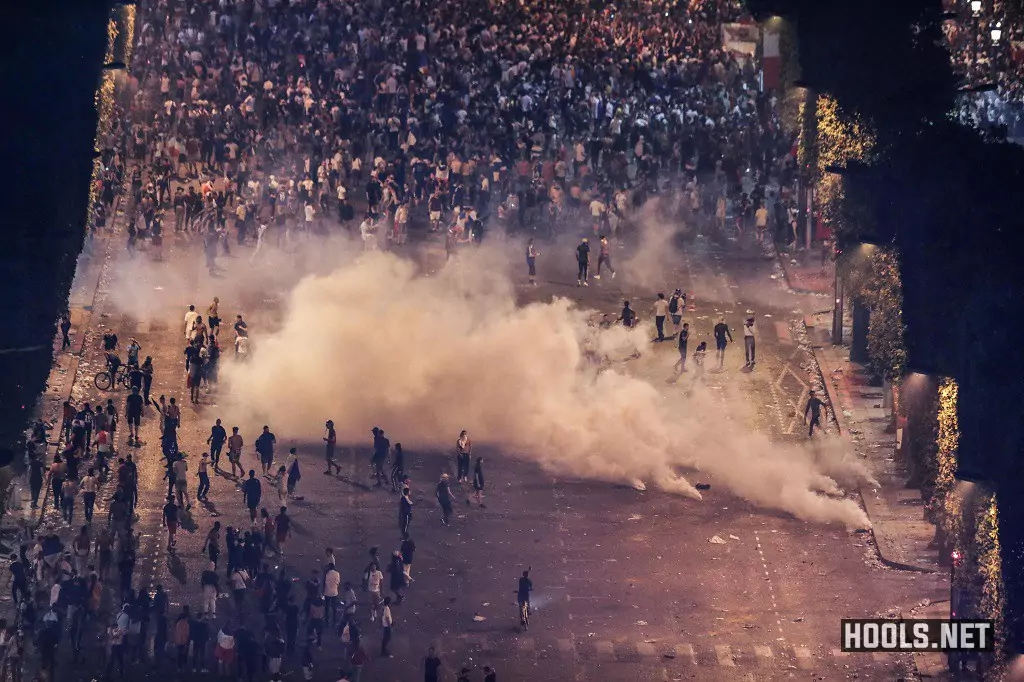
pixel 105 380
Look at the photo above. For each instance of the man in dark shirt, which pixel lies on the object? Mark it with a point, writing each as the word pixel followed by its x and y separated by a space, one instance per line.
pixel 628 317
pixel 722 334
pixel 216 440
pixel 265 447
pixel 252 491
pixel 431 667
pixel 814 405
pixel 684 338
pixel 583 262
pixel 523 596
pixel 133 405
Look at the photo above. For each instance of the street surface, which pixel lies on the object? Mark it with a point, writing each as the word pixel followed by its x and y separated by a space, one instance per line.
pixel 627 584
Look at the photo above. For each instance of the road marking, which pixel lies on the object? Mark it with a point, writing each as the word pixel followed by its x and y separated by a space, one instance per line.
pixel 724 655
pixel 685 651
pixel 604 649
pixel 646 649
pixel 880 657
pixel 771 588
pixel 763 654
pixel 803 657
pixel 839 653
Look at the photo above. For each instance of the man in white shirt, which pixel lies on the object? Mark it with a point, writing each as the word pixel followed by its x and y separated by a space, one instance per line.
pixel 332 584
pixel 190 322
pixel 748 341
pixel 660 313
pixel 376 580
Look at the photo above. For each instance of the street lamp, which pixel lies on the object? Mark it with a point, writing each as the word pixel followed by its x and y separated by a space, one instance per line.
pixel 997 32
pixel 976 7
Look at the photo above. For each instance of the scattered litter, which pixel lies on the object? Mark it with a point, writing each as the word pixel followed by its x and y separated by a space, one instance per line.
pixel 487 603
pixel 478 618
pixel 715 540
pixel 635 517
pixel 639 485
pixel 766 315
pixel 703 486
pixel 641 622
pixel 733 537
pixel 773 276
pixel 798 620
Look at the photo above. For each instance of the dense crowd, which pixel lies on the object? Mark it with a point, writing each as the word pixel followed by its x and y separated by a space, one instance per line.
pixel 983 60
pixel 266 121
pixel 282 118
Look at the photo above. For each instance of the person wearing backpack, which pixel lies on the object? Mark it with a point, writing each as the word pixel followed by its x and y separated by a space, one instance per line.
pixel 676 304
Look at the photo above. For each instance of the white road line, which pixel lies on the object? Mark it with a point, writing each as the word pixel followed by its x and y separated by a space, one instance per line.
pixel 763 654
pixel 604 649
pixel 685 652
pixel 724 655
pixel 646 649
pixel 804 661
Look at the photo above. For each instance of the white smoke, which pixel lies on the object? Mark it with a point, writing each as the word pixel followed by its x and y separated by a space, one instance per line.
pixel 425 357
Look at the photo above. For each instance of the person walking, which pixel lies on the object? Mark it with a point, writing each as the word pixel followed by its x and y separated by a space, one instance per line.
pixel 252 492
pixel 463 450
pixel 478 482
pixel 408 550
pixel 814 407
pixel 660 313
pixel 235 444
pixel 331 441
pixel 218 436
pixel 170 521
pixel 444 499
pixel 431 667
pixel 210 584
pixel 676 305
pixel 722 336
pixel 265 449
pixel 683 340
pixel 133 406
pixel 699 356
pixel 582 262
pixel 203 489
pixel 749 340
pixel 405 511
pixel 386 622
pixel 604 257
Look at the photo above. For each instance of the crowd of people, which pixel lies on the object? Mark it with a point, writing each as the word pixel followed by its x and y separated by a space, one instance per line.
pixel 986 49
pixel 265 122
pixel 278 119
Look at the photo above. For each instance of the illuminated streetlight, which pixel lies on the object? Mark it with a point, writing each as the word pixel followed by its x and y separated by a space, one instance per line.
pixel 975 7
pixel 997 32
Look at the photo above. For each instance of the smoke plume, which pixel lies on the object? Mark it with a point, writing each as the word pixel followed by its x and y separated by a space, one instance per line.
pixel 376 343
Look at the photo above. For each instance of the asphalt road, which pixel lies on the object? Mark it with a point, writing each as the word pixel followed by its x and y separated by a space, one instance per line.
pixel 627 585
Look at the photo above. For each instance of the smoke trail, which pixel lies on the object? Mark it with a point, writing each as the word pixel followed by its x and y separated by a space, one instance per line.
pixel 425 357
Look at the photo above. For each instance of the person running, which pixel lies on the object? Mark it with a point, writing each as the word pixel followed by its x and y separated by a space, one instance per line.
pixel 604 257
pixel 722 336
pixel 216 441
pixel 814 407
pixel 582 262
pixel 405 512
pixel 203 489
pixel 444 499
pixel 699 356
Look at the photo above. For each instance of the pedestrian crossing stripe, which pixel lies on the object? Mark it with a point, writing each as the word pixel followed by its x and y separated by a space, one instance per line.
pixel 622 650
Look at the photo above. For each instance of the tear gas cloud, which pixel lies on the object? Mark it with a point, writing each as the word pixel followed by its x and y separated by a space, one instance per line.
pixel 376 343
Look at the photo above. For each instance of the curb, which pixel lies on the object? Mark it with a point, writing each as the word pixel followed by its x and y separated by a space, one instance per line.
pixel 867 501
pixel 931 666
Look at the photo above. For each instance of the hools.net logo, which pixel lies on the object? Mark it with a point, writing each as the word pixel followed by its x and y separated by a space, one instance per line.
pixel 884 634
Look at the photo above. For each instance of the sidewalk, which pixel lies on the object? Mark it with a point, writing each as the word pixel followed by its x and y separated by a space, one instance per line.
pixel 804 272
pixel 902 536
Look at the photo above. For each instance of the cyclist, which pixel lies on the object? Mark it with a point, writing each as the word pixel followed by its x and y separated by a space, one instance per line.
pixel 113 364
pixel 523 597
